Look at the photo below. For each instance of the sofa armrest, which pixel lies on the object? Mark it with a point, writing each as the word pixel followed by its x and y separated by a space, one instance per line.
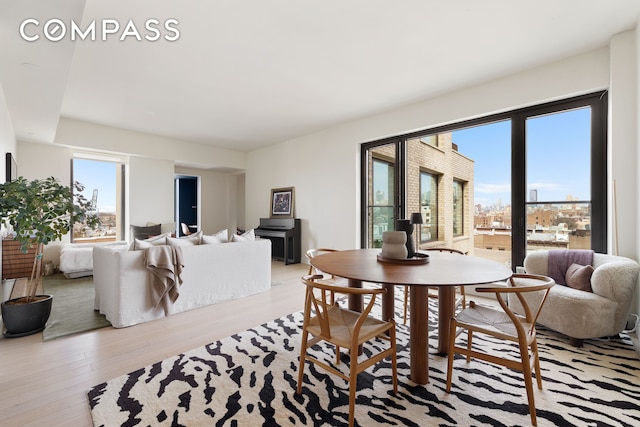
pixel 617 281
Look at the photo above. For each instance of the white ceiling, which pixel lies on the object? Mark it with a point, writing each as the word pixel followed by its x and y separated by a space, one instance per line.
pixel 248 73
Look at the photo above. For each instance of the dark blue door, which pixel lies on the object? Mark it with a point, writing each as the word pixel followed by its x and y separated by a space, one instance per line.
pixel 188 202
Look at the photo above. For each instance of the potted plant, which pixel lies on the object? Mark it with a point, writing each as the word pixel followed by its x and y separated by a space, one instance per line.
pixel 39 211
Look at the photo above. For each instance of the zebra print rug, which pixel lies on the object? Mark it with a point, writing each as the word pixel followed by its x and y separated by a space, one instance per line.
pixel 250 379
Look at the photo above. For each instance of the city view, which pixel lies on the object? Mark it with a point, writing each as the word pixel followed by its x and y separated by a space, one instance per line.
pixel 100 179
pixel 461 184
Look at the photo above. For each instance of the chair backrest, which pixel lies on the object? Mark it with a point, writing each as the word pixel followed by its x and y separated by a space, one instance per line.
pixel 519 284
pixel 185 229
pixel 450 250
pixel 320 297
pixel 315 252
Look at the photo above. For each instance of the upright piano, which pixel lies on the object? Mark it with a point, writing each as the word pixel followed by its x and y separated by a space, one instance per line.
pixel 284 234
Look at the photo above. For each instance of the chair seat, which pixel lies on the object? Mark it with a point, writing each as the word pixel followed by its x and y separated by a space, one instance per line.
pixel 342 323
pixel 491 321
pixel 334 281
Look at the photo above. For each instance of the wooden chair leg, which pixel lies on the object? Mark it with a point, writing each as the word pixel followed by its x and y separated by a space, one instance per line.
pixel 452 342
pixel 353 385
pixel 303 355
pixel 394 360
pixel 526 371
pixel 536 364
pixel 406 301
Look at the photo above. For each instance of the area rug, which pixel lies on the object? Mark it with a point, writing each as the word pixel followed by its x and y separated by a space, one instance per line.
pixel 250 379
pixel 72 309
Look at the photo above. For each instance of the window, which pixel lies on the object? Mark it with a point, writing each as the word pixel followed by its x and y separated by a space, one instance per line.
pixel 558 180
pixel 104 182
pixel 428 207
pixel 458 209
pixel 507 183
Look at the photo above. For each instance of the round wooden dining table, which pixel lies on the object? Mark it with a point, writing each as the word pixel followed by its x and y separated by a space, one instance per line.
pixel 443 270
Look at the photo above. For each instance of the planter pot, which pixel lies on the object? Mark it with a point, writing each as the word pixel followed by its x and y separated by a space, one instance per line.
pixel 26 318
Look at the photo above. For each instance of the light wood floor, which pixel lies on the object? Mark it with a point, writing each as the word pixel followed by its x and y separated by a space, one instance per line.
pixel 46 383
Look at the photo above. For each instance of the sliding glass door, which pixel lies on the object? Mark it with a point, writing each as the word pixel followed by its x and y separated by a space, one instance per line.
pixel 498 186
pixel 382 192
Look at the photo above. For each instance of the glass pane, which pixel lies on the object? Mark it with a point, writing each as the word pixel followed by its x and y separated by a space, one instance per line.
pixel 558 226
pixel 100 180
pixel 489 200
pixel 559 180
pixel 559 156
pixel 381 193
pixel 433 164
pixel 458 209
pixel 428 208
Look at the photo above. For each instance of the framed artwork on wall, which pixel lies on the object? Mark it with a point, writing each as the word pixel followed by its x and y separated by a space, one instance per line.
pixel 282 202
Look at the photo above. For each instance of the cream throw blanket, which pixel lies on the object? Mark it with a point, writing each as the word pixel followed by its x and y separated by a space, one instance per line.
pixel 165 265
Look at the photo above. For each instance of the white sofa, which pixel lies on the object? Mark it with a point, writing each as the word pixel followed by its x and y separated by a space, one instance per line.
pixel 579 314
pixel 212 273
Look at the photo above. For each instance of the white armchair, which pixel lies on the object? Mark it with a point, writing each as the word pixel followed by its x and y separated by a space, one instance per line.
pixel 579 314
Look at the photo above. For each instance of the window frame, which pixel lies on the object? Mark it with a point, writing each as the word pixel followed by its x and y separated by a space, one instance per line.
pixel 597 101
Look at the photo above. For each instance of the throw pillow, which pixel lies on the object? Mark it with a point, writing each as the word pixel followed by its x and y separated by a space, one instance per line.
pixel 165 227
pixel 138 244
pixel 210 240
pixel 221 236
pixel 579 277
pixel 140 232
pixel 191 240
pixel 245 237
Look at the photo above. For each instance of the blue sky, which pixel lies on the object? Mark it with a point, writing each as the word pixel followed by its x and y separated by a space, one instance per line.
pixel 100 175
pixel 558 157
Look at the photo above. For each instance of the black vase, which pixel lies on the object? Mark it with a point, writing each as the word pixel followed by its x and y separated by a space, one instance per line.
pixel 406 226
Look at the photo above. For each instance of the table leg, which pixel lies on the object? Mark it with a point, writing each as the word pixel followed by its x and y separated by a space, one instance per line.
pixel 388 302
pixel 446 300
pixel 355 301
pixel 419 334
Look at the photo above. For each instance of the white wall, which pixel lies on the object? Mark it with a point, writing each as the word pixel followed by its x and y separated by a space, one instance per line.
pixel 324 167
pixel 92 136
pixel 623 142
pixel 7 137
pixel 240 201
pixel 7 145
pixel 218 199
pixel 623 152
pixel 150 191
